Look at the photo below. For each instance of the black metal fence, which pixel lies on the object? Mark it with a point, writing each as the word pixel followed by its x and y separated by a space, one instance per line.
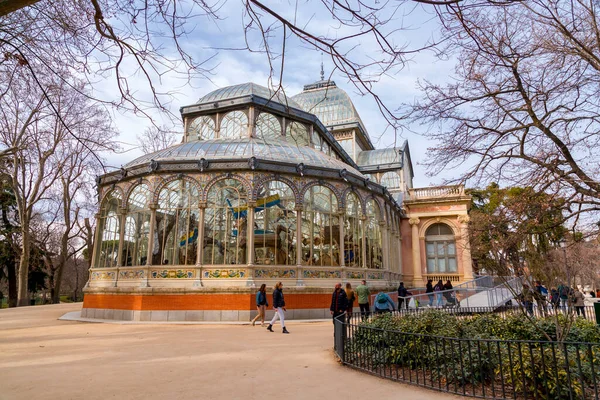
pixel 495 369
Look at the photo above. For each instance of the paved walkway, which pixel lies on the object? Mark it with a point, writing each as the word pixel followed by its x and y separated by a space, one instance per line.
pixel 42 357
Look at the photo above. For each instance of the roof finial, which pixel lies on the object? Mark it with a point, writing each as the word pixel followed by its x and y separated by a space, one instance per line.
pixel 322 71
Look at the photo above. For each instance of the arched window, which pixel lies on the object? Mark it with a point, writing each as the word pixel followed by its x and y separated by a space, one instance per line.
pixel 137 226
pixel 441 249
pixel 390 180
pixel 201 128
pixel 176 237
pixel 225 223
pixel 267 126
pixel 296 133
pixel 316 140
pixel 373 235
pixel 353 232
pixel 275 225
pixel 320 228
pixel 234 125
pixel 325 148
pixel 110 230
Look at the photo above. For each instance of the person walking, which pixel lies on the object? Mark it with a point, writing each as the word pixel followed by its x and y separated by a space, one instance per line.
pixel 350 296
pixel 383 302
pixel 437 289
pixel 402 293
pixel 261 304
pixel 563 292
pixel 429 291
pixel 339 302
pixel 279 307
pixel 363 293
pixel 527 298
pixel 579 302
pixel 447 294
pixel 554 298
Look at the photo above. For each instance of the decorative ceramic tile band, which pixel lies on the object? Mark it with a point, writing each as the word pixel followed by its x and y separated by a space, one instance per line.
pixel 172 274
pixel 103 275
pixel 375 275
pixel 224 273
pixel 132 274
pixel 275 273
pixel 355 275
pixel 322 274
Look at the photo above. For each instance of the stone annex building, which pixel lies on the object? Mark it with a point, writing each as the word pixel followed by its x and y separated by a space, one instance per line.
pixel 265 188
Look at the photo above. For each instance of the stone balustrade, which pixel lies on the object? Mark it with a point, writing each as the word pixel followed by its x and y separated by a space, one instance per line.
pixel 436 191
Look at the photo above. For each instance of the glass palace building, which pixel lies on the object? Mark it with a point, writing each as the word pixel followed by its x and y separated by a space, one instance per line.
pixel 265 188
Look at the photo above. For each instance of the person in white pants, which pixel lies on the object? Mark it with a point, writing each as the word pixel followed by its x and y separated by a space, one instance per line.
pixel 279 307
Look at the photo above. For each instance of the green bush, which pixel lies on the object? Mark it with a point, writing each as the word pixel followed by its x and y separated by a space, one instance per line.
pixel 482 349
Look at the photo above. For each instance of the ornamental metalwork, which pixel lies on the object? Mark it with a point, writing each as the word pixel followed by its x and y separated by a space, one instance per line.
pixel 223 273
pixel 172 274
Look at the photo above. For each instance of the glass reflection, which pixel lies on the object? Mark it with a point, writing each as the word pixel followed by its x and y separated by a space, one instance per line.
pixel 320 228
pixel 109 231
pixel 234 125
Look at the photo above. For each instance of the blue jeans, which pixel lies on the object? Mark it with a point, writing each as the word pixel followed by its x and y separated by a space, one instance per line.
pixel 440 300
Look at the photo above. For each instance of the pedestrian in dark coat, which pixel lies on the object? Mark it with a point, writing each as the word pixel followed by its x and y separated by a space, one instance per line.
pixel 339 302
pixel 279 306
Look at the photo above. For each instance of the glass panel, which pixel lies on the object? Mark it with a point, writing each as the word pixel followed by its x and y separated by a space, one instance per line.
pixel 431 265
pixel 267 126
pixel 390 180
pixel 431 249
pixel 374 256
pixel 109 232
pixel 201 128
pixel 320 228
pixel 353 232
pixel 275 225
pixel 441 263
pixel 347 146
pixel 137 226
pixel 225 224
pixel 297 134
pixel 440 249
pixel 175 241
pixel 234 125
pixel 451 249
pixel 452 264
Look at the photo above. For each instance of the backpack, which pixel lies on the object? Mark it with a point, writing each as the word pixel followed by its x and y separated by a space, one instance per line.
pixel 381 300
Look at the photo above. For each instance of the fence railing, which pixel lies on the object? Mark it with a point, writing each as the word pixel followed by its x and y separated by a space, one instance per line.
pixel 484 368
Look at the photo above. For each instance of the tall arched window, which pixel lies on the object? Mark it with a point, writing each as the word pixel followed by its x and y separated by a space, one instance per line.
pixel 320 228
pixel 201 128
pixel 353 232
pixel 137 226
pixel 225 223
pixel 177 225
pixel 316 140
pixel 275 225
pixel 110 229
pixel 296 133
pixel 268 126
pixel 234 125
pixel 373 235
pixel 441 249
pixel 390 180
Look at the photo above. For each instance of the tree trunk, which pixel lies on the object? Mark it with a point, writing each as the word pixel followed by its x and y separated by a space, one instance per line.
pixel 23 294
pixel 57 281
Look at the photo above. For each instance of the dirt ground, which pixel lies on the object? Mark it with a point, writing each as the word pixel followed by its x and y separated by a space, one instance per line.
pixel 44 358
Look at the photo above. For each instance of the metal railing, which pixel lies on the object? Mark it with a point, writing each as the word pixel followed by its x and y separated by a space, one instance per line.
pixel 483 368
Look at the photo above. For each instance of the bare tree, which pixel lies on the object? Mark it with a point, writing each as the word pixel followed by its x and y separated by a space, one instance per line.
pixel 156 138
pixel 523 106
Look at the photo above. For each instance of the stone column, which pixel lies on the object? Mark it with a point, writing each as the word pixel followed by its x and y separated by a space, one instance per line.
pixel 95 248
pixel 152 229
pixel 299 270
pixel 341 225
pixel 200 250
pixel 416 252
pixel 250 244
pixel 466 261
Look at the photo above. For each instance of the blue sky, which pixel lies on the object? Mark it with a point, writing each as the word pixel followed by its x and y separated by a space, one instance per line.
pixel 302 66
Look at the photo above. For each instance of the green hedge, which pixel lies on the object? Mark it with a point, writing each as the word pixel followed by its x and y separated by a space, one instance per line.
pixel 512 353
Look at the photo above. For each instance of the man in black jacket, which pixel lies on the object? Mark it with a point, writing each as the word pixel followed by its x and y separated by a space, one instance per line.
pixel 339 302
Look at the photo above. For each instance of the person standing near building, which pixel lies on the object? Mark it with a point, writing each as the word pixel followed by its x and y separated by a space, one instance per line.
pixel 437 289
pixel 279 307
pixel 350 295
pixel 429 291
pixel 261 304
pixel 579 302
pixel 339 302
pixel 402 293
pixel 527 298
pixel 363 293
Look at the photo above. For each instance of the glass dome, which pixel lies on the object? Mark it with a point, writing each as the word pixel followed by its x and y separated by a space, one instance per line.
pixel 248 89
pixel 392 155
pixel 329 103
pixel 244 148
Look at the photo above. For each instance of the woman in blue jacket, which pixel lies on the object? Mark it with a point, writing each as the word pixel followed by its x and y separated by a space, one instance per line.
pixel 261 304
pixel 279 306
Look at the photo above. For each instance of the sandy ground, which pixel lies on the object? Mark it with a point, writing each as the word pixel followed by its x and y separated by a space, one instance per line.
pixel 43 358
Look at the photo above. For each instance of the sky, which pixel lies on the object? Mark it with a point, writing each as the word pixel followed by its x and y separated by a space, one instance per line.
pixel 302 66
